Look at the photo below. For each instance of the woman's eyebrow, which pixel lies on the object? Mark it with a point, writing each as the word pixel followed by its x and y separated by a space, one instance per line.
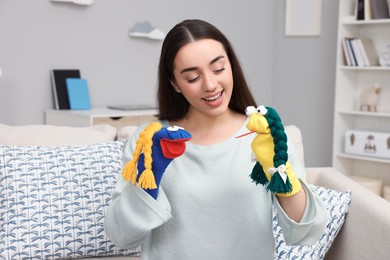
pixel 195 68
pixel 217 59
pixel 188 69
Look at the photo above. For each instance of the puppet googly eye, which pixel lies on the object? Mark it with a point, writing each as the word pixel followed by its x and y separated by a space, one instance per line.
pixel 261 110
pixel 250 110
pixel 175 128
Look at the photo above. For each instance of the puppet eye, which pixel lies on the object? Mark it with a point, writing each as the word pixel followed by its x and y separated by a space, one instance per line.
pixel 175 128
pixel 261 110
pixel 249 110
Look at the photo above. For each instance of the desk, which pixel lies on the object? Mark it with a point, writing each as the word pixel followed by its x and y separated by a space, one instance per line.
pixel 98 116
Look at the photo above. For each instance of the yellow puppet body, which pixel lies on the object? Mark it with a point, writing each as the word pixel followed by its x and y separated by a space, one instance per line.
pixel 273 160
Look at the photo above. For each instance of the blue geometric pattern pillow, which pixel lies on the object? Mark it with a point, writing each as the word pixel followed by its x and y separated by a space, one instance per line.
pixel 337 206
pixel 53 200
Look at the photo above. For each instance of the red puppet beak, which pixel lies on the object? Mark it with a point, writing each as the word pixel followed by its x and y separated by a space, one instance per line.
pixel 173 148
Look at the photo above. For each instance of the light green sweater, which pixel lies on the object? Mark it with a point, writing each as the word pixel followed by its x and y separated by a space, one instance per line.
pixel 207 208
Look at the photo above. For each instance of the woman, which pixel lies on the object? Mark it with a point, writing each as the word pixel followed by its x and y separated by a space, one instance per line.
pixel 207 207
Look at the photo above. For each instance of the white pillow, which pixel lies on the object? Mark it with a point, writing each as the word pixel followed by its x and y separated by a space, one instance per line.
pixel 53 200
pixel 337 206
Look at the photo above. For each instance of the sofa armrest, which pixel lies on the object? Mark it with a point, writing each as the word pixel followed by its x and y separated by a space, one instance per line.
pixel 366 230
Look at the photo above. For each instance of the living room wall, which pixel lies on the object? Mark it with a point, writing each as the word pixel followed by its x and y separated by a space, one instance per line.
pixel 37 36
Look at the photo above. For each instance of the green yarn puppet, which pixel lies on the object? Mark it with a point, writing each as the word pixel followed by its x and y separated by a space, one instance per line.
pixel 270 148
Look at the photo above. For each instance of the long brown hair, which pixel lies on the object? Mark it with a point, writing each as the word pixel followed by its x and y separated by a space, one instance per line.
pixel 173 105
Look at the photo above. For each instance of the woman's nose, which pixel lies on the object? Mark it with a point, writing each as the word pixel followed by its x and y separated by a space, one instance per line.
pixel 209 83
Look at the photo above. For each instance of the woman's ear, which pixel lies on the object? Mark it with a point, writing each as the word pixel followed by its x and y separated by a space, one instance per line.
pixel 175 87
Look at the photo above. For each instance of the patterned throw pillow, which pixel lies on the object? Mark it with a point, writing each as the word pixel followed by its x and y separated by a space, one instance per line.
pixel 337 206
pixel 53 200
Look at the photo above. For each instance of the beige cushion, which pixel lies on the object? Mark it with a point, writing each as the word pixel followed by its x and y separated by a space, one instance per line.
pixel 49 135
pixel 126 131
pixel 294 133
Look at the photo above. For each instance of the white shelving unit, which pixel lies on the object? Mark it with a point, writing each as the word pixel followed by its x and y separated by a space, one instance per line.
pixel 98 116
pixel 350 81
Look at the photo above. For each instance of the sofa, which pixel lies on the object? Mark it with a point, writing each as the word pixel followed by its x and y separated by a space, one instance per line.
pixel 363 235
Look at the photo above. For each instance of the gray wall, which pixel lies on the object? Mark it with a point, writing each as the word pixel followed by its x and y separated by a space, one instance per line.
pixel 296 75
pixel 303 82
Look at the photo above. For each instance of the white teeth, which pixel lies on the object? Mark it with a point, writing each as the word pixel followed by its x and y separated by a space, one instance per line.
pixel 213 98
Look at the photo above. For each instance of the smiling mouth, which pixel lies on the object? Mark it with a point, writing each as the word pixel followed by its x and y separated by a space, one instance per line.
pixel 213 98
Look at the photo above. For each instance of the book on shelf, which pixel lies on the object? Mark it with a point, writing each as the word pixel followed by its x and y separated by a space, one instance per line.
pixel 372 9
pixel 367 10
pixel 370 55
pixel 360 9
pixel 60 92
pixel 359 52
pixel 379 9
pixel 347 56
pixel 351 52
pixel 78 93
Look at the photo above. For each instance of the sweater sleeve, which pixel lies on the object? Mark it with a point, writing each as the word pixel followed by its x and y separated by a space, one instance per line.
pixel 309 230
pixel 312 224
pixel 133 213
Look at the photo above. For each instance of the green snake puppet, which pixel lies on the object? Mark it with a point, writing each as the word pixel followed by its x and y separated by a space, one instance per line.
pixel 155 148
pixel 270 148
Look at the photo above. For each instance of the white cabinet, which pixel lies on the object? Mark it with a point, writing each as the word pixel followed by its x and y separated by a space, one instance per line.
pixel 97 116
pixel 350 81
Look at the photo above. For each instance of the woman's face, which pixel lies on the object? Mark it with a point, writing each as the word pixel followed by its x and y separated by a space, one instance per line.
pixel 203 75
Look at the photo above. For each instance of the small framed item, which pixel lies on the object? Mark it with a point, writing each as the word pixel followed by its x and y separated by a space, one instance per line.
pixel 303 17
pixel 78 94
pixel 372 144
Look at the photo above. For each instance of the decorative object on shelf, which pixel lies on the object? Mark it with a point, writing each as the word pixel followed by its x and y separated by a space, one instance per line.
pixel 146 30
pixel 58 83
pixel 303 17
pixel 379 9
pixel 372 9
pixel 369 98
pixel 78 93
pixel 352 139
pixel 77 2
pixel 359 52
pixel 373 144
pixel 384 58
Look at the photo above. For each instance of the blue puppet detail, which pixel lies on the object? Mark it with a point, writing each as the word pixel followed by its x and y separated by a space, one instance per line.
pixel 155 149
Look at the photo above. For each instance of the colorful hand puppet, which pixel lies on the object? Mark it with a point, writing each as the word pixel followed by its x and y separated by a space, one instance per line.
pixel 270 148
pixel 156 147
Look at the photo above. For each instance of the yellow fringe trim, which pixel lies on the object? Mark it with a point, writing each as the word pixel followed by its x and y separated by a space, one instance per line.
pixel 129 172
pixel 144 143
pixel 146 180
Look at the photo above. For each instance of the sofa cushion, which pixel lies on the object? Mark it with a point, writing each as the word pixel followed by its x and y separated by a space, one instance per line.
pixel 337 206
pixel 294 133
pixel 125 132
pixel 53 200
pixel 49 135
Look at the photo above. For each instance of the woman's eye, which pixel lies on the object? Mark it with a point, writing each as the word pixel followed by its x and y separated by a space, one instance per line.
pixel 219 70
pixel 193 80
